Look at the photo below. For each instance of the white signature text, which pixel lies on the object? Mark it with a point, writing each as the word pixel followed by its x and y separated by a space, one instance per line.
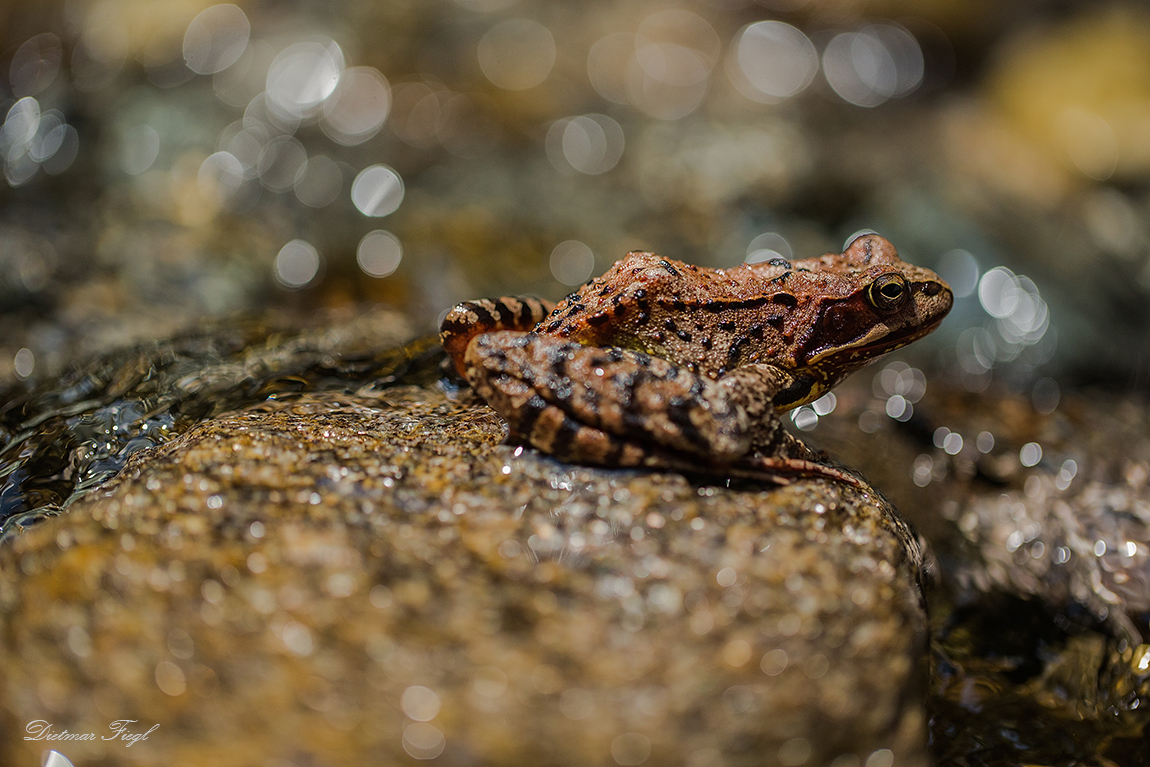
pixel 121 730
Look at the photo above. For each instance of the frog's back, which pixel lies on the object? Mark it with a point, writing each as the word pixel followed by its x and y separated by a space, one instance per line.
pixel 714 320
pixel 710 320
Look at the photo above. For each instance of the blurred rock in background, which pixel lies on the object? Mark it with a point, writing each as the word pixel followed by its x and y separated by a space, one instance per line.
pixel 168 161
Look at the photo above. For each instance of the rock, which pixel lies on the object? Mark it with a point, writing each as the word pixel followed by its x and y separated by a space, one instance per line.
pixel 1052 506
pixel 345 578
pixel 1039 521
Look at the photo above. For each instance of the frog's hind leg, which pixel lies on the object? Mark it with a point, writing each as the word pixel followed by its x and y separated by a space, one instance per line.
pixel 613 407
pixel 556 433
pixel 552 431
pixel 467 320
pixel 644 400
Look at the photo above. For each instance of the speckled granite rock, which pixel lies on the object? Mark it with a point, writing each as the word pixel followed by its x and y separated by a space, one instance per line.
pixel 371 578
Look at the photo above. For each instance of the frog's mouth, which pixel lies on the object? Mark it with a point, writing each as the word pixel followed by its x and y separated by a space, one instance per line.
pixel 825 367
pixel 802 388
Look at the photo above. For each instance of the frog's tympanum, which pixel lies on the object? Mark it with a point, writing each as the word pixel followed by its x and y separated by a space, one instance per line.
pixel 659 363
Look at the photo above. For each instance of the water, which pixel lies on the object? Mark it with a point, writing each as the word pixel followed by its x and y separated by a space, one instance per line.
pixel 76 433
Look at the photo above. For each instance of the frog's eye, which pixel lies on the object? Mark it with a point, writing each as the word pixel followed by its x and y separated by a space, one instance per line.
pixel 888 292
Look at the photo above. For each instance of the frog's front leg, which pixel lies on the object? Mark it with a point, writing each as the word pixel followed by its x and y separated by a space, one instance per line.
pixel 547 388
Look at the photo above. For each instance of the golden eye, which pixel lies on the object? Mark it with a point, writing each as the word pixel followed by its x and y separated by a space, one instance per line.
pixel 888 292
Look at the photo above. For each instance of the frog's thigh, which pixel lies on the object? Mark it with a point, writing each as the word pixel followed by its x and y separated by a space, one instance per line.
pixel 471 318
pixel 627 394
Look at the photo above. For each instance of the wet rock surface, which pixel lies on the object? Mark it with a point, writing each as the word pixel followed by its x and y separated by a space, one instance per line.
pixel 1051 506
pixel 1042 598
pixel 75 432
pixel 373 576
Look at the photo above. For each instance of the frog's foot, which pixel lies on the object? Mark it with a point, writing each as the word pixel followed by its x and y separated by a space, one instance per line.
pixel 548 389
pixel 467 320
pixel 783 469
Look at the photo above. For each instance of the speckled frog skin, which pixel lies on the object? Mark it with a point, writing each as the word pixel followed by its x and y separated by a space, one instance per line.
pixel 660 363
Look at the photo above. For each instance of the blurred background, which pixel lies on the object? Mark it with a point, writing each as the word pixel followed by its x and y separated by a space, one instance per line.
pixel 167 162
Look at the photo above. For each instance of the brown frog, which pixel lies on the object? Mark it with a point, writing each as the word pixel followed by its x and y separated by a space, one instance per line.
pixel 663 364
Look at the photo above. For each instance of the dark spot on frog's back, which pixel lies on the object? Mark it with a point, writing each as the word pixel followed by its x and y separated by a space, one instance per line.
pixel 785 299
pixel 780 262
pixel 750 303
pixel 670 269
pixel 597 320
pixel 736 351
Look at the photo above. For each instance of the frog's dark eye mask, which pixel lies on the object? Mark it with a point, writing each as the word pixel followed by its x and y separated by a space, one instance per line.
pixel 888 293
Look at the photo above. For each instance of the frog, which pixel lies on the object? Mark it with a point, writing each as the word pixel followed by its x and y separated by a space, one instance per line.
pixel 662 364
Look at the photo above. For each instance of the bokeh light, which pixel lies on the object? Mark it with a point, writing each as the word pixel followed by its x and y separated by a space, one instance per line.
pixel 356 110
pixel 24 362
pixel 281 162
pixel 667 75
pixel 303 76
pixel 215 39
pixel 768 246
pixel 877 63
pixel 140 147
pixel 771 60
pixel 960 270
pixel 517 54
pixel 590 144
pixel 423 741
pixel 30 140
pixel 297 264
pixel 379 253
pixel 377 191
pixel 35 64
pixel 572 262
pixel 220 176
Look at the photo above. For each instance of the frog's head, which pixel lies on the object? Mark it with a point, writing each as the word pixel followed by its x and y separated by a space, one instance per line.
pixel 872 303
